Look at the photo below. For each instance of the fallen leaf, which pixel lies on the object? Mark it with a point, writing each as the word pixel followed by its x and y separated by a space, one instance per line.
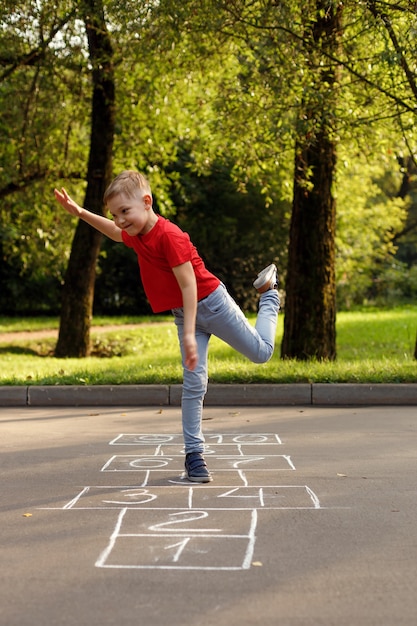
pixel 27 514
pixel 257 564
pixel 342 475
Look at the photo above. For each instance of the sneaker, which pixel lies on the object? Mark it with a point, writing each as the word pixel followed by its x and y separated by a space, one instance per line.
pixel 196 468
pixel 267 279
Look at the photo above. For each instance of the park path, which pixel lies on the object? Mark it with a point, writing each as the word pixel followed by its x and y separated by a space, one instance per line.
pixel 53 332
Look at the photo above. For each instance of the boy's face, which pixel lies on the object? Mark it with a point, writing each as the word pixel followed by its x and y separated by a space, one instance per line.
pixel 134 215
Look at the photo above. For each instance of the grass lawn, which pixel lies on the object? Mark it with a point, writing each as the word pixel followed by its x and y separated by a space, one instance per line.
pixel 373 346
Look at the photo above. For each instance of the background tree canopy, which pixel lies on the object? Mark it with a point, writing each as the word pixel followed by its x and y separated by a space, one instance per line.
pixel 211 100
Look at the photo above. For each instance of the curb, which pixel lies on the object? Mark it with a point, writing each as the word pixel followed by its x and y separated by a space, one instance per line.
pixel 316 394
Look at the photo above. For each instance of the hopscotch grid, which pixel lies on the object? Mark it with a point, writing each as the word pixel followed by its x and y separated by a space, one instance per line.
pixel 228 448
pixel 169 439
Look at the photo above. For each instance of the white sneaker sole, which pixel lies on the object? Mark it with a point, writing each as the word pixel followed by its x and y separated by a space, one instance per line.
pixel 266 276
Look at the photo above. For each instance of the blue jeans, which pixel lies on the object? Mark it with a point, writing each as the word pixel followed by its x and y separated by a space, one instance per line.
pixel 219 315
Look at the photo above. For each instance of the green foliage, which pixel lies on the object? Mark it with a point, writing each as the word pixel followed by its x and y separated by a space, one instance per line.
pixel 395 282
pixel 222 81
pixel 118 288
pixel 249 229
pixel 368 216
pixel 39 143
pixel 34 243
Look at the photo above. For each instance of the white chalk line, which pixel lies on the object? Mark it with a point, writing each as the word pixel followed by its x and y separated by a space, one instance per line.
pixel 113 537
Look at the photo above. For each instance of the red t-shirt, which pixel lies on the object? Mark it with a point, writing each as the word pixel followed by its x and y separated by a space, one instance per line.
pixel 165 246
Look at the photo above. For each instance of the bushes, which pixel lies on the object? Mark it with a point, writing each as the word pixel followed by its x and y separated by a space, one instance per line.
pixel 392 285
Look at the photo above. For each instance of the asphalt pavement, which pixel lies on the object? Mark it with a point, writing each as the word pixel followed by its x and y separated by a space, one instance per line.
pixel 310 519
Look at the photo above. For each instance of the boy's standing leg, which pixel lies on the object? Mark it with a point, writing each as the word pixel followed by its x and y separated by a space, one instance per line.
pixel 194 389
pixel 218 314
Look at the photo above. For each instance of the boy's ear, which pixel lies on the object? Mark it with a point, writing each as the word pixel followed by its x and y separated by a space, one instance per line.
pixel 147 198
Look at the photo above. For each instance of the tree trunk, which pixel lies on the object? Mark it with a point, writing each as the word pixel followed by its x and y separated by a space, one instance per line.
pixel 310 305
pixel 310 331
pixel 78 290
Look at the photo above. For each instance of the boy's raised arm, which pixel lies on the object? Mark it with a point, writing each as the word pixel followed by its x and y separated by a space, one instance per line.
pixel 99 222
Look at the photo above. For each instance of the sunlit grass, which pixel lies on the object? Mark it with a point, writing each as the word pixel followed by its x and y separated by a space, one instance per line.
pixel 373 347
pixel 377 334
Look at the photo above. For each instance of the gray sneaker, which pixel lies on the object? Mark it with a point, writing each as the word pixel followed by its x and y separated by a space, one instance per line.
pixel 196 468
pixel 267 279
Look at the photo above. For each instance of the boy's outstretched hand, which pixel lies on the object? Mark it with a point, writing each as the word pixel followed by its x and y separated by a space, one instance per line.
pixel 99 222
pixel 67 202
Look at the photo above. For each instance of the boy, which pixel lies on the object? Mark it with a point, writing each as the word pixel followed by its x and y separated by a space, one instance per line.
pixel 175 278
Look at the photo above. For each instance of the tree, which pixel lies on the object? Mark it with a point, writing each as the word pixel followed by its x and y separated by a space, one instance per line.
pixel 78 293
pixel 310 314
pixel 293 65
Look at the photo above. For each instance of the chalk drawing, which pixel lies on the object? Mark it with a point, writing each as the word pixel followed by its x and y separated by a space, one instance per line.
pixel 127 439
pixel 132 463
pixel 206 497
pixel 195 551
pixel 165 522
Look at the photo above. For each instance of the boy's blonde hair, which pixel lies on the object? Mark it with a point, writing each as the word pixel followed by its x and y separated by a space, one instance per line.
pixel 130 183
